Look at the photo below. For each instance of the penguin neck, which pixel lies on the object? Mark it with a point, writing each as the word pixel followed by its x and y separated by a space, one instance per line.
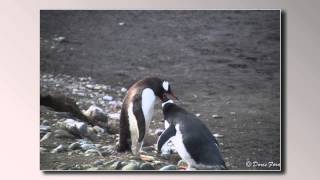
pixel 167 102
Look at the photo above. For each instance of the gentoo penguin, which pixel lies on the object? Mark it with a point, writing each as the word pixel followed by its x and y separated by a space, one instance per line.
pixel 137 111
pixel 193 141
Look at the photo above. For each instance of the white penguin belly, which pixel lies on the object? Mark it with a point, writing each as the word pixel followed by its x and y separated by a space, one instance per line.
pixel 148 101
pixel 134 130
pixel 177 140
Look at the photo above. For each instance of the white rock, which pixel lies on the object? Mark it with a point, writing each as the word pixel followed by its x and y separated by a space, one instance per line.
pixel 44 128
pixel 198 114
pixel 59 149
pixel 121 23
pixel 86 147
pixel 79 127
pixel 218 135
pixel 107 98
pixel 216 116
pixel 46 136
pixel 59 39
pixel 114 115
pixel 123 89
pixel 89 86
pixel 98 129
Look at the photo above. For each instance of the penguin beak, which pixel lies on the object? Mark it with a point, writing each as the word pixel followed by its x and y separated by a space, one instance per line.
pixel 173 96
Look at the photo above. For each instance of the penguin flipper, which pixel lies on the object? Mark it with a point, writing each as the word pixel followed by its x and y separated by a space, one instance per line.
pixel 138 113
pixel 165 136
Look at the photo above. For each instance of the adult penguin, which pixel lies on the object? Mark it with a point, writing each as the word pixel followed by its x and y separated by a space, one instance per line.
pixel 193 141
pixel 137 111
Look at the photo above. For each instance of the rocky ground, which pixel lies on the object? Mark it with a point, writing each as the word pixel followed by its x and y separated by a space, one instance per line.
pixel 223 65
pixel 68 143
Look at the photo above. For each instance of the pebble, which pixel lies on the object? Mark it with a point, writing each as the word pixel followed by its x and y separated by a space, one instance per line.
pixel 107 98
pixel 146 166
pixel 89 86
pixel 218 135
pixel 93 169
pixel 98 129
pixel 131 166
pixel 45 123
pixel 169 168
pixel 44 128
pixel 216 116
pixel 96 113
pixel 121 23
pixel 74 146
pixel 46 136
pixel 114 115
pixel 123 89
pixel 115 166
pixel 42 150
pixel 198 114
pixel 76 127
pixel 182 163
pixel 62 166
pixel 92 152
pixel 86 147
pixel 59 149
pixel 59 133
pixel 98 162
pixel 59 39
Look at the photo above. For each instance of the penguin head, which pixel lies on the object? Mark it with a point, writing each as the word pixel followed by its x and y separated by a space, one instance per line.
pixel 161 88
pixel 167 92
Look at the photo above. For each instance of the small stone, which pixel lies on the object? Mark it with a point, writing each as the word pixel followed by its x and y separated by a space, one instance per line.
pixel 98 129
pixel 215 116
pixel 86 147
pixel 198 114
pixel 131 166
pixel 59 39
pixel 89 86
pixel 146 166
pixel 93 169
pixel 45 123
pixel 44 128
pixel 46 136
pixel 114 115
pixel 59 149
pixel 146 158
pixel 76 127
pixel 92 152
pixel 74 146
pixel 115 166
pixel 98 162
pixel 121 23
pixel 62 166
pixel 218 135
pixel 42 150
pixel 107 98
pixel 169 168
pixel 96 114
pixel 123 90
pixel 182 163
pixel 59 133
